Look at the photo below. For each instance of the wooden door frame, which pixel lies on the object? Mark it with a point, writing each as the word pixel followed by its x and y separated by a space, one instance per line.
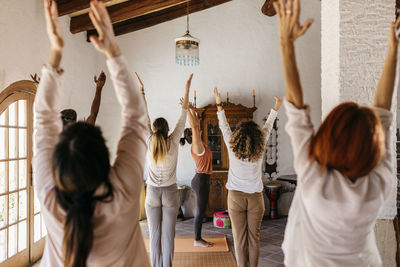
pixel 8 96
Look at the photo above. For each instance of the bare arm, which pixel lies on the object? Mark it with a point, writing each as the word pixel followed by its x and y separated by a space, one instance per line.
pixel 384 91
pixel 94 110
pixel 289 30
pixel 141 86
pixel 187 89
pixel 197 143
pixel 180 125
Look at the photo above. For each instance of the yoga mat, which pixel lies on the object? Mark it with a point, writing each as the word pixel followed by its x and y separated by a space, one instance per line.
pixel 204 259
pixel 185 244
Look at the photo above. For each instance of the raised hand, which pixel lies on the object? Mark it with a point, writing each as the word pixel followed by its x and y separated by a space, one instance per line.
pixel 140 82
pixel 394 33
pixel 105 42
pixel 185 100
pixel 188 83
pixel 288 18
pixel 217 96
pixel 193 119
pixel 35 78
pixel 100 81
pixel 278 103
pixel 191 106
pixel 54 31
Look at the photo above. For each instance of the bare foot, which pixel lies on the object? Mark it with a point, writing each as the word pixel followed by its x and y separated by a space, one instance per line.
pixel 202 243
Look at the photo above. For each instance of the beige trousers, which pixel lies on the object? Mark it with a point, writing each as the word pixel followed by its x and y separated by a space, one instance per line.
pixel 246 212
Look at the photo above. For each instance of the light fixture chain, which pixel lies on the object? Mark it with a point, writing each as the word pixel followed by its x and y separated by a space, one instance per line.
pixel 187 17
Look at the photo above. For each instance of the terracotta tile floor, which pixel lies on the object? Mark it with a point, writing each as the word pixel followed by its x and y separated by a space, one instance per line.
pixel 271 254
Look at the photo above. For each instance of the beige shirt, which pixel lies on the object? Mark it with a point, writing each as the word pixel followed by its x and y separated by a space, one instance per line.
pixel 164 173
pixel 331 219
pixel 243 175
pixel 118 239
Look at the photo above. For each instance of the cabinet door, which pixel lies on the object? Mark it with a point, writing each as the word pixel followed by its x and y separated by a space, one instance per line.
pixel 217 200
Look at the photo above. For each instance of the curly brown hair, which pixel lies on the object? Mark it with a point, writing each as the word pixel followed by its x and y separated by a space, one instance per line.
pixel 248 141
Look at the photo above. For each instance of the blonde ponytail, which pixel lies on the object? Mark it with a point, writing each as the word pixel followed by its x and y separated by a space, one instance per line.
pixel 159 147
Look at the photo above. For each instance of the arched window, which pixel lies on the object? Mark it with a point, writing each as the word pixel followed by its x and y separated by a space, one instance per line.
pixel 21 227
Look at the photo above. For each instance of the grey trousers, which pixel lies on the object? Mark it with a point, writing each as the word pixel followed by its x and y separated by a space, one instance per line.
pixel 162 209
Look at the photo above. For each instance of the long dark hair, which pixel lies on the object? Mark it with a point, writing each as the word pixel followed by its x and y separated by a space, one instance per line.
pixel 187 137
pixel 80 166
pixel 159 146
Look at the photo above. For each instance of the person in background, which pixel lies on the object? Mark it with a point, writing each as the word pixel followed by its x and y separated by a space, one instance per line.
pixel 344 169
pixel 246 147
pixel 90 208
pixel 202 157
pixel 69 115
pixel 162 197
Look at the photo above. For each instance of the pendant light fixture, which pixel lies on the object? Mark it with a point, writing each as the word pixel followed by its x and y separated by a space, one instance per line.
pixel 187 47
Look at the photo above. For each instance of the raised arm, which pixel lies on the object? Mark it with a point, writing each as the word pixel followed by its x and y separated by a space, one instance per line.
pixel 94 110
pixel 197 143
pixel 289 30
pixel 35 78
pixel 223 123
pixel 180 125
pixel 269 124
pixel 47 122
pixel 384 91
pixel 129 163
pixel 141 86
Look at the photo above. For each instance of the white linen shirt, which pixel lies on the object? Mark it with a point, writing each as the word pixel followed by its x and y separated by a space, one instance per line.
pixel 331 219
pixel 164 173
pixel 117 238
pixel 243 175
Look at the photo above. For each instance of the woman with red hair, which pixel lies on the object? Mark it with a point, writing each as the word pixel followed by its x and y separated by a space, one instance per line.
pixel 344 170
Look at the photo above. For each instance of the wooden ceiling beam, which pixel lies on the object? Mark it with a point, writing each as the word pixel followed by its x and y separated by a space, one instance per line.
pixel 124 11
pixel 66 7
pixel 161 16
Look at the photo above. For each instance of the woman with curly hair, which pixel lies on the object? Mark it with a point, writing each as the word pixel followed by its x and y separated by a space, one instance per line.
pixel 246 146
pixel 344 169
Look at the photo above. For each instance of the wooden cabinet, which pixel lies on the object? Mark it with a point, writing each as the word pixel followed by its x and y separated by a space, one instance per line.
pixel 212 136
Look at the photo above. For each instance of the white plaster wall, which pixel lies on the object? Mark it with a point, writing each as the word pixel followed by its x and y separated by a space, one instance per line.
pixel 239 51
pixel 356 33
pixel 24 49
pixel 330 62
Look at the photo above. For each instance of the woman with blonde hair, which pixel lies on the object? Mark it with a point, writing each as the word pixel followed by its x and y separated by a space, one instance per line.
pixel 246 147
pixel 162 198
pixel 90 207
pixel 344 170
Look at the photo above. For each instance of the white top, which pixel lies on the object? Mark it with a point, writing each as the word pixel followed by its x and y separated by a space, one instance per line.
pixel 164 173
pixel 117 238
pixel 243 175
pixel 331 219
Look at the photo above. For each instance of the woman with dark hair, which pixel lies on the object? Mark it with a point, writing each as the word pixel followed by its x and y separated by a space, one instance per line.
pixel 162 197
pixel 202 157
pixel 89 207
pixel 344 170
pixel 246 147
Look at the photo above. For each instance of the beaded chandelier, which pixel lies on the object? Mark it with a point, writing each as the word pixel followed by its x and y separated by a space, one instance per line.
pixel 187 47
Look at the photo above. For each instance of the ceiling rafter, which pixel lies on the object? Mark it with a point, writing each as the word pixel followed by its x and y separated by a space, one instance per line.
pixel 161 16
pixel 123 11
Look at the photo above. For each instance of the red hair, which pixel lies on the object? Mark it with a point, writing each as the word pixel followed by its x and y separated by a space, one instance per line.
pixel 350 140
